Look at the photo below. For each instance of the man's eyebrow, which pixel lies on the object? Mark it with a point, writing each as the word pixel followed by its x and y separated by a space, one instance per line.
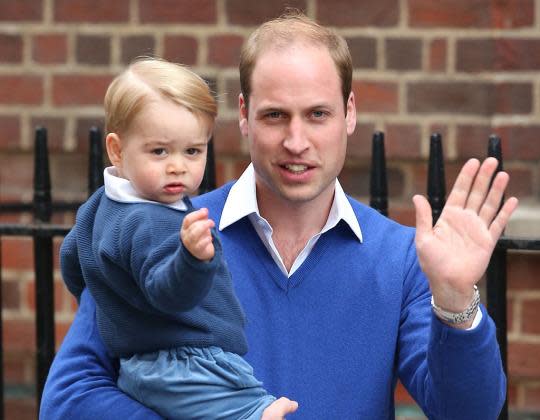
pixel 270 108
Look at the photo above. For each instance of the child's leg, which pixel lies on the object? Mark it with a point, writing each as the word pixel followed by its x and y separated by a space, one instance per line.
pixel 195 383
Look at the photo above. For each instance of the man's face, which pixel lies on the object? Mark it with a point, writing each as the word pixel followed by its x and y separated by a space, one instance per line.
pixel 296 125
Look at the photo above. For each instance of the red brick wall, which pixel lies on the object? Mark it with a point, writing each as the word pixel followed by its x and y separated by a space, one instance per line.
pixel 466 68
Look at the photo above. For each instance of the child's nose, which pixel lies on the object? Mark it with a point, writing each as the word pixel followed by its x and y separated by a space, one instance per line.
pixel 176 166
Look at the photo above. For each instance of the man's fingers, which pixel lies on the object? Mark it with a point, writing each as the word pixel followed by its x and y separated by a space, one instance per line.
pixel 460 191
pixel 481 185
pixel 424 219
pixel 493 201
pixel 501 220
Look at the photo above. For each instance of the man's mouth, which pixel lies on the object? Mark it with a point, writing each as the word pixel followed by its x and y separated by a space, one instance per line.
pixel 296 168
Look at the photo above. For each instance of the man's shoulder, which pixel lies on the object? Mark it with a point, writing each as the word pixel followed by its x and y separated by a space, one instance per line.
pixel 370 220
pixel 215 199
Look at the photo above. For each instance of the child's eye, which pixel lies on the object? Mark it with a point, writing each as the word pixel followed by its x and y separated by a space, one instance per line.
pixel 159 151
pixel 192 151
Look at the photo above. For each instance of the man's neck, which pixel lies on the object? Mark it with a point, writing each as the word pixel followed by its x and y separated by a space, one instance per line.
pixel 294 223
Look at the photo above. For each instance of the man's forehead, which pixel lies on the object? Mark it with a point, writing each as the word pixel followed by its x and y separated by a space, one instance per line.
pixel 282 47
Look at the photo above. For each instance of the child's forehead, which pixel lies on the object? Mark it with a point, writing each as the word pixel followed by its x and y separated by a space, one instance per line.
pixel 166 118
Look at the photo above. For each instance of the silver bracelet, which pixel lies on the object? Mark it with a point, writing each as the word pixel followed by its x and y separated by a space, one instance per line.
pixel 458 317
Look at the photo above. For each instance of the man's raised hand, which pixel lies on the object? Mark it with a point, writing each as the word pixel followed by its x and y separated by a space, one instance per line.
pixel 454 253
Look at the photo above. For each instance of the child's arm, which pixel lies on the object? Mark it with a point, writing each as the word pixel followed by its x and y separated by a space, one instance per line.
pixel 170 277
pixel 82 381
pixel 70 265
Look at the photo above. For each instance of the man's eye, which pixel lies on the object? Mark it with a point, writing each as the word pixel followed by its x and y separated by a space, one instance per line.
pixel 318 114
pixel 274 115
pixel 159 151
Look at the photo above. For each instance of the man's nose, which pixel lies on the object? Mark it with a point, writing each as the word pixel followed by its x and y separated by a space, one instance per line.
pixel 296 140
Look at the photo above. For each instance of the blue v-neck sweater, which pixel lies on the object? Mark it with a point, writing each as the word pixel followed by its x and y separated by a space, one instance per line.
pixel 335 336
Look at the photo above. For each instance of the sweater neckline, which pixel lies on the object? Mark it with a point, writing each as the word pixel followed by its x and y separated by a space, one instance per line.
pixel 284 282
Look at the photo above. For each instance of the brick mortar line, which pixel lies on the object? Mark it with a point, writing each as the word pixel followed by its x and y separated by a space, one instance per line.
pixel 229 114
pixel 522 295
pixel 404 14
pixel 376 75
pixel 439 32
pixel 243 29
pixel 523 338
pixel 122 29
pixel 48 12
pixel 134 16
pixel 537 13
pixel 311 8
pixel 221 12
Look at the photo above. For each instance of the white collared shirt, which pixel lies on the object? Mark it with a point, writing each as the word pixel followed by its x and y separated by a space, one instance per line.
pixel 120 189
pixel 242 201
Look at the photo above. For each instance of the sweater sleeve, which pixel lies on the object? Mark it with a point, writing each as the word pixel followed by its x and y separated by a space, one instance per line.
pixel 82 380
pixel 170 278
pixel 70 265
pixel 451 373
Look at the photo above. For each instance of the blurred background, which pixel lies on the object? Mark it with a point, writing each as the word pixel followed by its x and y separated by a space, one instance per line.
pixel 463 68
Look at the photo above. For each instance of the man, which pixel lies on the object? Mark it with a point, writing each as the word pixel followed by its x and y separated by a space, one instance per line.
pixel 338 307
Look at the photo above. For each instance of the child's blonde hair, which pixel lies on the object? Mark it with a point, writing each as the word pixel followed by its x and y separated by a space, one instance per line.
pixel 147 77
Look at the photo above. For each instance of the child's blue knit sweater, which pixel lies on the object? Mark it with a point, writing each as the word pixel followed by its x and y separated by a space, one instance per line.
pixel 335 336
pixel 152 294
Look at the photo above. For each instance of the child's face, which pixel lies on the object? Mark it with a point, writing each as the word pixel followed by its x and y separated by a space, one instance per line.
pixel 163 154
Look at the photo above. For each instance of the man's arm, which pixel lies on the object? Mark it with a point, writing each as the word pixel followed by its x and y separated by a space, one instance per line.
pixel 462 375
pixel 82 381
pixel 452 373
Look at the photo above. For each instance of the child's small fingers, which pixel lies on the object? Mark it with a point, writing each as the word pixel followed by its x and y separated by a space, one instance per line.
pixel 200 229
pixel 194 216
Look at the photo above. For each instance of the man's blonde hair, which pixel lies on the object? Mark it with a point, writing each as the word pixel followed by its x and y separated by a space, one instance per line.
pixel 291 27
pixel 147 78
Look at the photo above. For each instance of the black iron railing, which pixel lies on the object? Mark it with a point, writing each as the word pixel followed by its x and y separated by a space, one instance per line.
pixel 43 232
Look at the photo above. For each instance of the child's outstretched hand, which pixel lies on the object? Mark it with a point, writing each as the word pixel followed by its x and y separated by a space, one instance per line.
pixel 196 235
pixel 279 408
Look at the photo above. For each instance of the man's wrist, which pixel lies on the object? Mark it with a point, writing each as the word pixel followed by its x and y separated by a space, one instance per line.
pixel 458 318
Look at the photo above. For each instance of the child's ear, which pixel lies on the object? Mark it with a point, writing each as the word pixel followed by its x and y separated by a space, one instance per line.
pixel 114 149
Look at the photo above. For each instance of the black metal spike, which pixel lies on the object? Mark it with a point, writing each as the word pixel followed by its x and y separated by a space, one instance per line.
pixel 42 177
pixel 95 164
pixel 436 184
pixel 209 180
pixel 378 186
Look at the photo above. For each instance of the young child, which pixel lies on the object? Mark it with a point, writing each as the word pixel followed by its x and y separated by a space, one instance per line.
pixel 154 265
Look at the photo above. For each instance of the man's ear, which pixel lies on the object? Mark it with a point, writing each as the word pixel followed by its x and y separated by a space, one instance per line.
pixel 114 149
pixel 350 117
pixel 242 115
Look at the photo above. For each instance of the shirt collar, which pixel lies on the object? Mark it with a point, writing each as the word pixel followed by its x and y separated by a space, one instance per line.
pixel 242 201
pixel 120 189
